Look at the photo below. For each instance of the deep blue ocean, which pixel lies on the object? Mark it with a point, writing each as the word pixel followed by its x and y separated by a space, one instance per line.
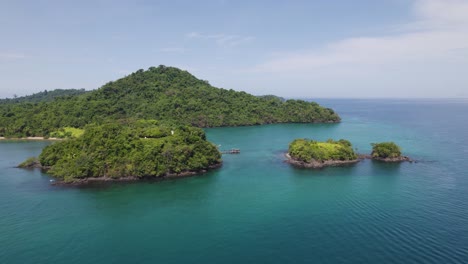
pixel 258 209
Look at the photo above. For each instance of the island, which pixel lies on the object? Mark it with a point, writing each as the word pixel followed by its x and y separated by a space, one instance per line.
pixel 387 152
pixel 160 93
pixel 128 150
pixel 307 153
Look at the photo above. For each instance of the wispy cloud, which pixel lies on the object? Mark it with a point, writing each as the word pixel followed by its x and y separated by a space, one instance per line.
pixel 173 50
pixel 11 56
pixel 439 31
pixel 224 40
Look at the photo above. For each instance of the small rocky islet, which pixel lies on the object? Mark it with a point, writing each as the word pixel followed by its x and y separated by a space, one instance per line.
pixel 388 152
pixel 307 153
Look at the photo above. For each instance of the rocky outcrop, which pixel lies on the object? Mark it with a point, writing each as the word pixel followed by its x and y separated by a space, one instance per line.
pixel 390 160
pixel 315 164
pixel 31 163
pixel 395 159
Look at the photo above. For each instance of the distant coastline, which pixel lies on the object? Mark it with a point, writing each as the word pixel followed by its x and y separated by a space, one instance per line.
pixel 31 138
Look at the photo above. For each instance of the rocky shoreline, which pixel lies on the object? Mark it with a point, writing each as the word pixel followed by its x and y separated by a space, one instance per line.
pixel 315 164
pixel 30 138
pixel 389 160
pixel 104 180
pixel 35 164
pixel 398 159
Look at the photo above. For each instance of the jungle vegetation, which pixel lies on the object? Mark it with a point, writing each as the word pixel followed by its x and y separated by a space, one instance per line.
pixel 44 96
pixel 130 148
pixel 385 150
pixel 307 150
pixel 161 93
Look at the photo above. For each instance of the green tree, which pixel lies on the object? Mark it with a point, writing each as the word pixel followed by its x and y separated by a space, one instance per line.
pixel 385 150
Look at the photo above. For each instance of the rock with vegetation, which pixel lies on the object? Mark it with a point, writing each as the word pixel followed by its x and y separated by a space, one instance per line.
pixel 315 154
pixel 387 152
pixel 130 150
pixel 30 163
pixel 161 93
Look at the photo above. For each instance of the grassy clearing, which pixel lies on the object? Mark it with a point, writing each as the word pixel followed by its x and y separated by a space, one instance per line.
pixel 67 132
pixel 308 150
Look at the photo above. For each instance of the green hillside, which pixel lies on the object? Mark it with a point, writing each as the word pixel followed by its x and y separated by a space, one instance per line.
pixel 129 148
pixel 162 93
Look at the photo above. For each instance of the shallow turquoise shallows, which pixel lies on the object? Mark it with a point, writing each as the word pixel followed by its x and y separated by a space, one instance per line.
pixel 258 209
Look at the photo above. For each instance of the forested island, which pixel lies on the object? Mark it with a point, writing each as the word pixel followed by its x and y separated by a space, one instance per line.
pixel 129 150
pixel 161 93
pixel 387 152
pixel 315 154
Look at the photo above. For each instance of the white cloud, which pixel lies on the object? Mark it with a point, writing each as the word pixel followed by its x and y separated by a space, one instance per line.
pixel 448 13
pixel 224 40
pixel 439 32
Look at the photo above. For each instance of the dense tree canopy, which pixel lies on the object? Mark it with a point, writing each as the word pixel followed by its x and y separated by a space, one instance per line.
pixel 142 148
pixel 162 93
pixel 307 150
pixel 385 150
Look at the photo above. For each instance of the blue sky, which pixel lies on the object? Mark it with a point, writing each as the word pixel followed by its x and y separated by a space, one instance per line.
pixel 321 48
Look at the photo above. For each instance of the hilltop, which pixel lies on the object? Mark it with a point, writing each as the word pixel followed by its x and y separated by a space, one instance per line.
pixel 161 93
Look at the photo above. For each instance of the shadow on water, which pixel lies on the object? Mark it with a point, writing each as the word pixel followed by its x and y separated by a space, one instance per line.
pixel 118 199
pixel 385 168
pixel 206 177
pixel 105 185
pixel 332 171
pixel 192 185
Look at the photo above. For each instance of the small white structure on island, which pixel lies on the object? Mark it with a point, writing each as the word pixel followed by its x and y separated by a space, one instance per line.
pixel 172 132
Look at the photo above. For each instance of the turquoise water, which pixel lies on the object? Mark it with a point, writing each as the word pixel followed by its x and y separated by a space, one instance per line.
pixel 256 208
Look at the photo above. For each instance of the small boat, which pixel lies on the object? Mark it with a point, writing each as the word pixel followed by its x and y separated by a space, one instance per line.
pixel 231 151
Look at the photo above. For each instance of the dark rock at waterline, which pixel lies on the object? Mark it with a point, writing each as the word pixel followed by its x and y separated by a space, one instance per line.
pixel 316 164
pixel 389 160
pixel 103 180
pixel 396 159
pixel 30 163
